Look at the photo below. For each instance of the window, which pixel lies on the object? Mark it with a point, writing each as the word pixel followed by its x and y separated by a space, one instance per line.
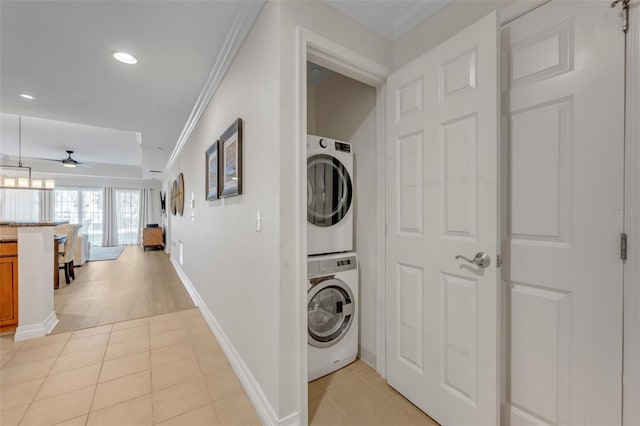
pixel 128 213
pixel 81 205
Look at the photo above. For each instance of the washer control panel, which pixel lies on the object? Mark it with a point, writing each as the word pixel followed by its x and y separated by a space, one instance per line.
pixel 331 266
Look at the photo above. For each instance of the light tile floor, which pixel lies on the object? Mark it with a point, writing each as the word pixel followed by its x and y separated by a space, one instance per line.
pixel 162 370
pixel 357 395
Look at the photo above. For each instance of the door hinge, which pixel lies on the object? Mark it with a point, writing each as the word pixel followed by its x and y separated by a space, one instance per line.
pixel 498 261
pixel 623 246
pixel 625 13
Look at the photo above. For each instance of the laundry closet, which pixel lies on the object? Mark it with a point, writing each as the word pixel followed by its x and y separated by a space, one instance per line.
pixel 341 117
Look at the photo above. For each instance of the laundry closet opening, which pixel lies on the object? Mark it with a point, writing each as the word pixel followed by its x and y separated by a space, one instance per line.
pixel 343 110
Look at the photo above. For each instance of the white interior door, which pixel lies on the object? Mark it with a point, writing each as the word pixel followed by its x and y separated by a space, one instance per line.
pixel 442 201
pixel 564 104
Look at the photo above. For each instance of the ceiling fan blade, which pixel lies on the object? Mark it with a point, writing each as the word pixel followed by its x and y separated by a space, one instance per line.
pixel 45 159
pixel 87 165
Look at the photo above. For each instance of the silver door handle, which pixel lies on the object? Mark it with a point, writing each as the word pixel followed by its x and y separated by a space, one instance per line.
pixel 481 259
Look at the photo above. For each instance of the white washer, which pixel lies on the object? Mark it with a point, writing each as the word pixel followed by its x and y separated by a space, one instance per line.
pixel 332 307
pixel 329 195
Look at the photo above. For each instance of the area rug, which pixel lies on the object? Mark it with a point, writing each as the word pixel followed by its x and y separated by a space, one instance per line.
pixel 105 253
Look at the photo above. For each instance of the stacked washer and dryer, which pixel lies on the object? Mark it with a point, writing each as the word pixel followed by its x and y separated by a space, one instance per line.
pixel 332 285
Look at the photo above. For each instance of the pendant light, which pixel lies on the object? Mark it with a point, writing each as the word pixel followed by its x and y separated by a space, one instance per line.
pixel 21 182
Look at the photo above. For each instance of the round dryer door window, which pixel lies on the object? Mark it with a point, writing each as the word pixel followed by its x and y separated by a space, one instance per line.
pixel 329 190
pixel 329 314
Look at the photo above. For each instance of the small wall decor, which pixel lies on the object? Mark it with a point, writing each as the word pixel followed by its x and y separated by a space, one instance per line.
pixel 163 202
pixel 231 156
pixel 174 193
pixel 180 194
pixel 212 166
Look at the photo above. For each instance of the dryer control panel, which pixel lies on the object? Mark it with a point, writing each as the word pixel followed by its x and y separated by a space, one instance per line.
pixel 343 147
pixel 331 266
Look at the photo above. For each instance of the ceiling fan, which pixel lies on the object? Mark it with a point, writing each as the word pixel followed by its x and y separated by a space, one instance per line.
pixel 69 161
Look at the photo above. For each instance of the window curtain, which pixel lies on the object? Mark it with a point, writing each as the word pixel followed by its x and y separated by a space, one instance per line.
pixel 26 205
pixel 146 209
pixel 109 218
pixel 46 206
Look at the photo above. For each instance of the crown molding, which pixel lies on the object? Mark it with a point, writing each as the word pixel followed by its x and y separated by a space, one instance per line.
pixel 247 14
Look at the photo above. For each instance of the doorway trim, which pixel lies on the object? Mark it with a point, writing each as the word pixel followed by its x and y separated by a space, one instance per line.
pixel 329 54
pixel 631 287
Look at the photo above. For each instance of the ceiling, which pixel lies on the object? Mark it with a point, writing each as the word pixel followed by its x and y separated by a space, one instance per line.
pixel 389 18
pixel 61 53
pixel 131 116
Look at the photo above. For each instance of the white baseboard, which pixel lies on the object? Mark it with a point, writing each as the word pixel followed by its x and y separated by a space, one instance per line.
pixel 251 386
pixel 33 331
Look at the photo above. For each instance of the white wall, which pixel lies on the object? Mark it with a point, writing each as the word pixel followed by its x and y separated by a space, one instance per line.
pixel 345 109
pixel 234 268
pixel 449 21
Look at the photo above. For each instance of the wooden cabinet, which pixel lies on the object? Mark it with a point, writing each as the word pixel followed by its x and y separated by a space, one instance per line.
pixel 152 237
pixel 8 286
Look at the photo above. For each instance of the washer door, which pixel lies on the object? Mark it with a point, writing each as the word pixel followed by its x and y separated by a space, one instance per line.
pixel 329 190
pixel 330 312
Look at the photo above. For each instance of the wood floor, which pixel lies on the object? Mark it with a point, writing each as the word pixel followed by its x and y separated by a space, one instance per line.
pixel 137 284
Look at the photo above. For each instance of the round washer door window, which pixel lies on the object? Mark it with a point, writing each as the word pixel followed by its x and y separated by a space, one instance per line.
pixel 329 190
pixel 330 312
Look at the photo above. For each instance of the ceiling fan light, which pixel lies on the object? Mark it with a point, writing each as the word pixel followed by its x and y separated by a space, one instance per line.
pixel 68 164
pixel 125 58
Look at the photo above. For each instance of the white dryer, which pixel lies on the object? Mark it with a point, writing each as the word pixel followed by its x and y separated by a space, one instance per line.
pixel 329 196
pixel 332 307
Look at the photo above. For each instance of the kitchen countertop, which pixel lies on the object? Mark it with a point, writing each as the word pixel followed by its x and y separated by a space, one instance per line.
pixel 18 224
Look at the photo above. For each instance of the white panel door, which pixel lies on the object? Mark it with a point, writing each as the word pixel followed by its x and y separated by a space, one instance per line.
pixel 442 201
pixel 564 105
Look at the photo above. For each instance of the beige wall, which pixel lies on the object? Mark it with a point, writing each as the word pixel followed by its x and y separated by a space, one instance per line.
pixel 345 109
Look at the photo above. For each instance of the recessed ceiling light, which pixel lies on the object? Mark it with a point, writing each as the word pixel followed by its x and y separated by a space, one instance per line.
pixel 125 58
pixel 26 96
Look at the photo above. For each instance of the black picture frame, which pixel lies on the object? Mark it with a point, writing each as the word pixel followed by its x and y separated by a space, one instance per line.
pixel 230 147
pixel 212 176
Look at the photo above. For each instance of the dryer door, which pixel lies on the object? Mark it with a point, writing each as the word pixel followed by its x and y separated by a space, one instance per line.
pixel 329 190
pixel 330 313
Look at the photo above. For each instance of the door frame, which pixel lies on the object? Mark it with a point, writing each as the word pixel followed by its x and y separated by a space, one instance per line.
pixel 327 53
pixel 631 274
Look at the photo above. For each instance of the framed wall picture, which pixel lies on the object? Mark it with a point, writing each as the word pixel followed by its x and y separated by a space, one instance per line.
pixel 212 175
pixel 231 160
pixel 174 194
pixel 180 194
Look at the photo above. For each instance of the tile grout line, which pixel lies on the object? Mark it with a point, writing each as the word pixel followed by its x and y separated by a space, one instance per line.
pixel 95 389
pixel 44 380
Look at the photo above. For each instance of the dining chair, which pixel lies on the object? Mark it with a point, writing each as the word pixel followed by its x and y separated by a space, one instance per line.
pixel 65 257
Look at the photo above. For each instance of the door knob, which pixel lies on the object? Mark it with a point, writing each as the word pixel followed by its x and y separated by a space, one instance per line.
pixel 481 259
